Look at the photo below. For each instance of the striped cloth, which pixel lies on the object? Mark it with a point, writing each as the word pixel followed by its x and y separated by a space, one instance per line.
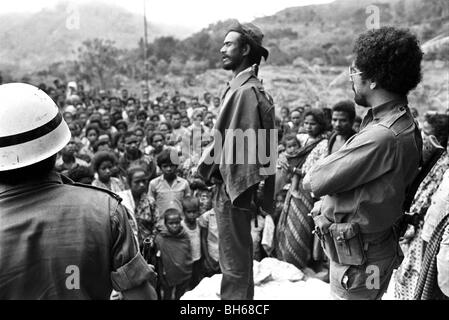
pixel 294 238
pixel 427 287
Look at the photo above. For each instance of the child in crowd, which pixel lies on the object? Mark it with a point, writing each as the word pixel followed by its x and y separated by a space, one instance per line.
pixel 287 159
pixel 279 205
pixel 191 207
pixel 103 163
pixel 202 192
pixel 167 190
pixel 174 257
pixel 92 134
pixel 209 242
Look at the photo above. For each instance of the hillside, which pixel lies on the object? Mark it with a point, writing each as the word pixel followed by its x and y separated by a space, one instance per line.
pixel 310 48
pixel 320 34
pixel 39 39
pixel 323 34
pixel 297 84
pixel 326 33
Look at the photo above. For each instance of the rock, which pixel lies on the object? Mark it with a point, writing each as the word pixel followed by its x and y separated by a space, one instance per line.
pixel 261 273
pixel 207 289
pixel 281 270
pixel 273 280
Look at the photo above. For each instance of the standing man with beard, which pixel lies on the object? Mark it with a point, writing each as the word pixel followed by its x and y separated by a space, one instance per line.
pixel 245 108
pixel 365 182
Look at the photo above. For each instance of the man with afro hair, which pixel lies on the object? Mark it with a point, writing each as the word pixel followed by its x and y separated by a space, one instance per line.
pixel 365 182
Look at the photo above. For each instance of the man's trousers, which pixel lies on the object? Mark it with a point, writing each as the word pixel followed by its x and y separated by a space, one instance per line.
pixel 235 247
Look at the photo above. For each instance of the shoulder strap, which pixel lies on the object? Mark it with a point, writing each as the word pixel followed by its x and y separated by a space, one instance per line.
pixel 67 180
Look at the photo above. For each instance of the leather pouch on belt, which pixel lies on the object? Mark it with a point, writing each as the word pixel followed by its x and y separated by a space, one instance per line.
pixel 348 243
pixel 322 225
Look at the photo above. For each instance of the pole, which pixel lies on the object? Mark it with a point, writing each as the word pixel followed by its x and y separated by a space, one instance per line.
pixel 145 44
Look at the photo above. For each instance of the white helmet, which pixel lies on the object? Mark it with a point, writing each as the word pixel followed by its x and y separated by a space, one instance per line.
pixel 31 127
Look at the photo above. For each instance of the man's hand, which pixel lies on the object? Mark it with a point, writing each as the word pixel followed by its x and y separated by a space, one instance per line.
pixel 306 183
pixel 316 210
pixel 153 278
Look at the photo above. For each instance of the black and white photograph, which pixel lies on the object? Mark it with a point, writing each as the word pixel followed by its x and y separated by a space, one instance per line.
pixel 214 152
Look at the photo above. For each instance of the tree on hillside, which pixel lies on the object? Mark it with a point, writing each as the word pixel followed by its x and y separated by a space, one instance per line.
pixel 131 64
pixel 164 48
pixel 202 46
pixel 97 60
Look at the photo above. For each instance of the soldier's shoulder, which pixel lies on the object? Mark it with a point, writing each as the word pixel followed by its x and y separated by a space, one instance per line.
pixel 400 121
pixel 93 191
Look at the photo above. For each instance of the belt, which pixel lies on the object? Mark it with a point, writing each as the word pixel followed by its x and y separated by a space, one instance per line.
pixel 376 238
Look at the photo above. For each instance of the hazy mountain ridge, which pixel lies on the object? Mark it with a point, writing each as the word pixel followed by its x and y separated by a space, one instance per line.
pixel 322 34
pixel 326 33
pixel 30 40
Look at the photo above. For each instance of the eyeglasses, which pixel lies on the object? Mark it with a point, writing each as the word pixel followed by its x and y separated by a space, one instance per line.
pixel 353 72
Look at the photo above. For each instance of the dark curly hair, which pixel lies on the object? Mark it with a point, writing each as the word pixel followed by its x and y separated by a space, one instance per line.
pixel 440 124
pixel 132 170
pixel 155 133
pixel 319 117
pixel 78 173
pixel 101 157
pixel 391 57
pixel 346 106
pixel 191 202
pixel 93 126
pixel 168 156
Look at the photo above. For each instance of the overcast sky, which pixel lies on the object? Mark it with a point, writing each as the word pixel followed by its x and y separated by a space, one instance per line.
pixel 194 13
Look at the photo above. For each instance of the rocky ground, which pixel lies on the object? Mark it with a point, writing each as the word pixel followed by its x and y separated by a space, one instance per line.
pixel 273 279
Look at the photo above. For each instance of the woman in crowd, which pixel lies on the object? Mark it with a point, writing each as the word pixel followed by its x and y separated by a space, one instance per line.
pixel 285 119
pixel 433 282
pixel 294 238
pixel 167 130
pixel 137 203
pixel 140 134
pixel 406 277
